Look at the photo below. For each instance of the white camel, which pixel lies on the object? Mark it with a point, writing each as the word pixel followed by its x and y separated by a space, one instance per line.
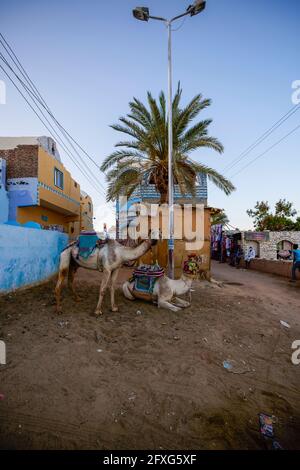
pixel 166 292
pixel 107 258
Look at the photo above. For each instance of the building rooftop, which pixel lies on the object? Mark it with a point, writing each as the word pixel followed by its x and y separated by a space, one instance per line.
pixel 47 143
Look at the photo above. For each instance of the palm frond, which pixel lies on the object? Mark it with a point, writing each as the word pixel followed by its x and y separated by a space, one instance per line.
pixel 118 156
pixel 219 180
pixel 144 156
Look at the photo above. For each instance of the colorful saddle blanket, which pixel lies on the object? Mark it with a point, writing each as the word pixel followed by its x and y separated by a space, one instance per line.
pixel 87 242
pixel 145 277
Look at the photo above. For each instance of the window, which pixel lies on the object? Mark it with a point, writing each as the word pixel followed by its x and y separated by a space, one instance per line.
pixel 58 178
pixel 284 250
pixel 90 207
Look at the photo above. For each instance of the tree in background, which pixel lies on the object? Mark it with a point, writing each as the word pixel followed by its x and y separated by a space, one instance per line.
pixel 144 158
pixel 219 218
pixel 280 220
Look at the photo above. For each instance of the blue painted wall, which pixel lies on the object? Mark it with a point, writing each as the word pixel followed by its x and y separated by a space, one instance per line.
pixel 21 192
pixel 3 205
pixel 28 255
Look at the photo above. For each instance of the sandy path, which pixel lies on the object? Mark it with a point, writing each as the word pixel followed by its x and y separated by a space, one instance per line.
pixel 155 379
pixel 273 291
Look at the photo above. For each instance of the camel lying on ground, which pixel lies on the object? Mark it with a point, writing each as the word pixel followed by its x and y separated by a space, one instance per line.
pixel 166 292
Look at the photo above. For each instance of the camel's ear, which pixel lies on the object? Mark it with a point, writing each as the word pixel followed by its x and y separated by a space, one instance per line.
pixel 155 234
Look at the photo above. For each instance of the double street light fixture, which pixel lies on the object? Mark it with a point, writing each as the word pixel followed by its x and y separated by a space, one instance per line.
pixel 143 14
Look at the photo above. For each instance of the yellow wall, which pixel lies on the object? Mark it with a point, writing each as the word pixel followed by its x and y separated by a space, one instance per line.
pixel 46 166
pixel 86 213
pixel 160 251
pixel 61 206
pixel 35 213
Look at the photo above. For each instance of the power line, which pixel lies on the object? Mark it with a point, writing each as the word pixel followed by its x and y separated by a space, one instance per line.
pixel 266 151
pixel 38 95
pixel 181 24
pixel 33 90
pixel 35 95
pixel 67 150
pixel 263 137
pixel 57 137
pixel 258 141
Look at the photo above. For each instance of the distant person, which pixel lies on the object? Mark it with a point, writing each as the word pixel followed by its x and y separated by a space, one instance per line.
pixel 105 232
pixel 249 256
pixel 296 262
pixel 238 256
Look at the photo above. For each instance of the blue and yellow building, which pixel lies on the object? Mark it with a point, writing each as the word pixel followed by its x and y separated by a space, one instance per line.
pixel 40 189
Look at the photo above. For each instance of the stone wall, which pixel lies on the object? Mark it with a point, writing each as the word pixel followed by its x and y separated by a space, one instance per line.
pixel 268 249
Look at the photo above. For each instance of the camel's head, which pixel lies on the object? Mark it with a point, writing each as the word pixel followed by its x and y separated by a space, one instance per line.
pixel 154 235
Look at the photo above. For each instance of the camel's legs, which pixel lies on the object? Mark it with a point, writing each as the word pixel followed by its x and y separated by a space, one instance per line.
pixel 103 286
pixel 61 277
pixel 181 302
pixel 114 277
pixel 72 271
pixel 168 305
pixel 64 264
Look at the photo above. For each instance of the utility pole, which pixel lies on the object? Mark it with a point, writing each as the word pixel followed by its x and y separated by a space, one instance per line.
pixel 142 14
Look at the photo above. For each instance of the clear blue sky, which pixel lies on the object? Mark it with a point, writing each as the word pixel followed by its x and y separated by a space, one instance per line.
pixel 89 58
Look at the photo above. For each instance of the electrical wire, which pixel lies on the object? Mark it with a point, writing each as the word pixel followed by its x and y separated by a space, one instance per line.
pixel 29 92
pixel 263 137
pixel 36 96
pixel 51 132
pixel 40 98
pixel 180 26
pixel 266 151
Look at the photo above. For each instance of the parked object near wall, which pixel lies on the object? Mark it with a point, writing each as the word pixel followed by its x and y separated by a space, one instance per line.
pixel 28 256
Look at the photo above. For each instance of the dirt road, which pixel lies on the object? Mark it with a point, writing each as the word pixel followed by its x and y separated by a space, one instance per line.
pixel 153 379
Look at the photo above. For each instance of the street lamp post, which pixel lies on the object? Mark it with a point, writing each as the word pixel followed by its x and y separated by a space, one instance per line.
pixel 142 14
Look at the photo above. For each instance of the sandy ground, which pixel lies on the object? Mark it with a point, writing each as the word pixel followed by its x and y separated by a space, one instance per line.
pixel 153 379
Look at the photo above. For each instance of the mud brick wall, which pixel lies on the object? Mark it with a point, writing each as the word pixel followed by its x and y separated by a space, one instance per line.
pixel 278 267
pixel 22 161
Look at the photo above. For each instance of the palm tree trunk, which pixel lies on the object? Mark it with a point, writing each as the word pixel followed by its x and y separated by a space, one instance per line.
pixel 164 198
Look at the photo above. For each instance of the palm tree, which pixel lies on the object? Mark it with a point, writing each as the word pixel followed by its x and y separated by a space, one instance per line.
pixel 144 158
pixel 219 218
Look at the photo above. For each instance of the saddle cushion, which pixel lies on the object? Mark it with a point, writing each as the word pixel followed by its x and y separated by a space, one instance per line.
pixel 87 243
pixel 145 277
